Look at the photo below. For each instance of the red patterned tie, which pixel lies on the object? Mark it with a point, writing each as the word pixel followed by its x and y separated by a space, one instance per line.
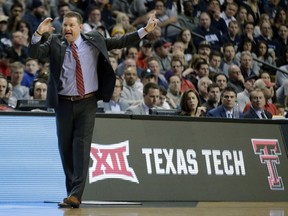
pixel 79 75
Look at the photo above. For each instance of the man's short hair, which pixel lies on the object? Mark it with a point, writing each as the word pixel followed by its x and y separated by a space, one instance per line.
pixel 150 86
pixel 71 14
pixel 229 89
pixel 211 86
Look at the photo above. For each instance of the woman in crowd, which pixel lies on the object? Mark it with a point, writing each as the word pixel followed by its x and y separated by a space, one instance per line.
pixel 263 54
pixel 186 37
pixel 190 104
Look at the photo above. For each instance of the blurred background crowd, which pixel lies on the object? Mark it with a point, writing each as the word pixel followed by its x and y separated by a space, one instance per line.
pixel 214 58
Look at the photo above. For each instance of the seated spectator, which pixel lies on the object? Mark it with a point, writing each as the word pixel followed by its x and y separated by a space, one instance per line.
pixel 4 65
pixel 228 58
pixel 63 8
pixel 241 17
pixel 281 40
pixel 177 68
pixel 30 72
pixel 18 51
pixel 226 109
pixel 16 14
pixel 144 54
pixel 36 16
pixel 38 90
pixel 190 104
pixel 163 99
pixel 243 97
pixel 282 94
pixel 17 73
pixel 5 102
pixel 203 84
pixel 236 79
pixel 214 9
pixel 267 88
pixel 232 35
pixel 201 70
pixel 94 20
pixel 116 103
pixel 147 77
pixel 213 100
pixel 257 110
pixel 161 52
pixel 131 55
pixel 247 45
pixel 151 94
pixel 130 93
pixel 266 35
pixel 214 63
pixel 229 13
pixel 264 74
pixel 246 65
pixel 263 55
pixel 174 91
pixel 4 89
pixel 187 18
pixel 208 32
pixel 167 17
pixel 24 27
pixel 185 36
pixel 5 40
pixel 221 80
pixel 154 66
pixel 281 109
pixel 204 49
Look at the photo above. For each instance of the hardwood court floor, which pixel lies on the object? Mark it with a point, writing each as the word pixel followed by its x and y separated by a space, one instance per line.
pixel 201 209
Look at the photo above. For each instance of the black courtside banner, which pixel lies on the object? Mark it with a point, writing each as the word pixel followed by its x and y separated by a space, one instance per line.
pixel 179 160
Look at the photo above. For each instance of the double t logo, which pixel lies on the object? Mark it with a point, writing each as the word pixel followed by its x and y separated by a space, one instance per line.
pixel 269 151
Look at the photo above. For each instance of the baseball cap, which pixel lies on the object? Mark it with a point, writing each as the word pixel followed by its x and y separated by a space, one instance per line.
pixel 147 74
pixel 161 42
pixel 204 44
pixel 3 18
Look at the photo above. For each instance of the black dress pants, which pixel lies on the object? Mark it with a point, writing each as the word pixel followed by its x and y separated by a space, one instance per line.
pixel 75 123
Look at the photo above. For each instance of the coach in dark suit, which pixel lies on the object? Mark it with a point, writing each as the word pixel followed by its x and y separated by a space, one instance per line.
pixel 80 74
pixel 257 111
pixel 227 109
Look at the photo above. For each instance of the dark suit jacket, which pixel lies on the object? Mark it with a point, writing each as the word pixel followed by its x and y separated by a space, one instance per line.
pixel 55 49
pixel 253 115
pixel 220 112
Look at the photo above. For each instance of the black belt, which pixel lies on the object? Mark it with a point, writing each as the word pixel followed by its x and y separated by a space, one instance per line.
pixel 77 98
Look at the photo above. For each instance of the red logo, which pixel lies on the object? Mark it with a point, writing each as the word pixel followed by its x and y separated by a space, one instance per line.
pixel 110 161
pixel 269 151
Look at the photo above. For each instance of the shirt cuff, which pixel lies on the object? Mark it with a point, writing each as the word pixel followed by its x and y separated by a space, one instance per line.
pixel 142 33
pixel 35 39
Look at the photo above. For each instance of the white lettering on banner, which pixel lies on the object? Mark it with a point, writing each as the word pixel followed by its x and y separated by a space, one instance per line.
pixel 185 163
pixel 110 161
pixel 224 162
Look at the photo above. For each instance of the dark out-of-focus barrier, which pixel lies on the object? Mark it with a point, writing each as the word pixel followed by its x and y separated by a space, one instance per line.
pixel 149 158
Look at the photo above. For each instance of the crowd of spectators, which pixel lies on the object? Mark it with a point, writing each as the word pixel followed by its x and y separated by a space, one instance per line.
pixel 214 58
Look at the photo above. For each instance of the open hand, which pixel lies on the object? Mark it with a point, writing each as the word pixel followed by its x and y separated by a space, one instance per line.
pixel 45 26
